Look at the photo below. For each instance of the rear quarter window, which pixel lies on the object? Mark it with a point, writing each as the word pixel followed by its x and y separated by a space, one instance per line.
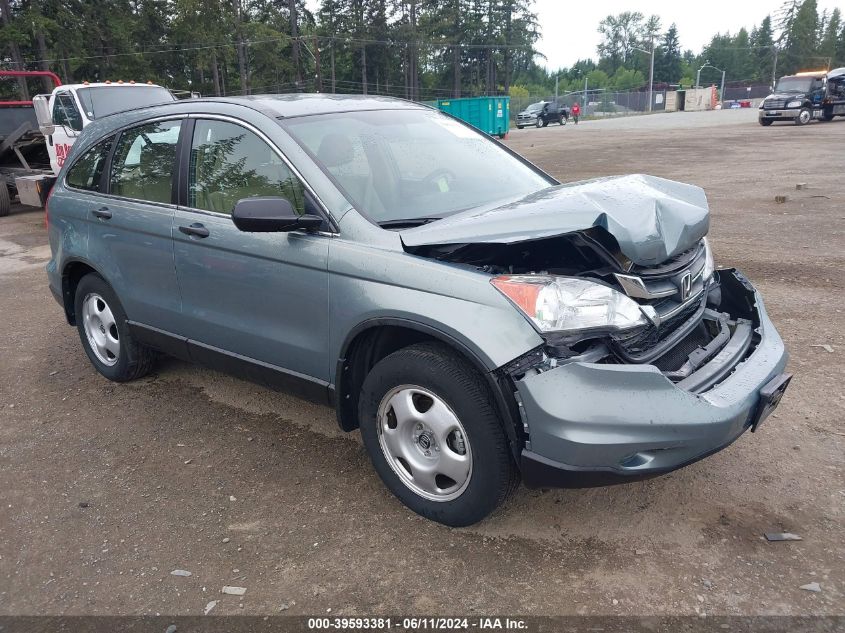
pixel 88 168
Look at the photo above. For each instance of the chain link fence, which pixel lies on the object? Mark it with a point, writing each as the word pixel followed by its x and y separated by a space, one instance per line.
pixel 598 102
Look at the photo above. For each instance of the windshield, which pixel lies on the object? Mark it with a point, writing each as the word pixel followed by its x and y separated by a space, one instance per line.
pixel 794 84
pixel 412 164
pixel 535 106
pixel 100 101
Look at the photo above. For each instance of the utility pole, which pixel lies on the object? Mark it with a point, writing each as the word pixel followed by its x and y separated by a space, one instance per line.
pixel 775 68
pixel 319 74
pixel 556 78
pixel 651 80
pixel 650 74
pixel 584 104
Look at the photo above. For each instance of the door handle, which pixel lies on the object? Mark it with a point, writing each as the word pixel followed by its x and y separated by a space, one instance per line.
pixel 102 213
pixel 196 229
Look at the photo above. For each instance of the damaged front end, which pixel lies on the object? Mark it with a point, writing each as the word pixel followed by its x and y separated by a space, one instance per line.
pixel 651 359
pixel 690 313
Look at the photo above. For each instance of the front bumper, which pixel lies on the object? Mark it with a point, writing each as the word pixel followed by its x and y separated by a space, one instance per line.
pixel 596 424
pixel 784 114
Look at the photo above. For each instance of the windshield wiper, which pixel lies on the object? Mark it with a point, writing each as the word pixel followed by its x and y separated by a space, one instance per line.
pixel 405 222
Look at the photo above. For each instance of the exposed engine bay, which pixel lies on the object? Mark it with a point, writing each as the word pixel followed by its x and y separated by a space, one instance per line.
pixel 695 314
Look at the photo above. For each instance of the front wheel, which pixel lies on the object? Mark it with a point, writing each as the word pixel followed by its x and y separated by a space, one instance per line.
pixel 519 127
pixel 804 117
pixel 433 436
pixel 766 122
pixel 538 122
pixel 105 334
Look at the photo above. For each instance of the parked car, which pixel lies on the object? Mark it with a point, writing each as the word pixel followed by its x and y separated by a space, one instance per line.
pixel 542 113
pixel 476 319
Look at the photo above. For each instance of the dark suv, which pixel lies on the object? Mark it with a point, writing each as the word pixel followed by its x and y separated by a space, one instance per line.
pixel 542 113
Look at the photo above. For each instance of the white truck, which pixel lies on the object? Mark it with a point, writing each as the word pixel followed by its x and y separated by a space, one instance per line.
pixel 36 136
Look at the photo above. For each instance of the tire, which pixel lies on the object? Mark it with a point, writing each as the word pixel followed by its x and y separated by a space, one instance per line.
pixel 431 379
pixel 766 122
pixel 5 200
pixel 519 127
pixel 545 122
pixel 538 122
pixel 804 117
pixel 562 120
pixel 120 357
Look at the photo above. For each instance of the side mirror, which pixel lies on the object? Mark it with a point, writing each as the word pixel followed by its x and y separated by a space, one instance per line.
pixel 272 215
pixel 41 104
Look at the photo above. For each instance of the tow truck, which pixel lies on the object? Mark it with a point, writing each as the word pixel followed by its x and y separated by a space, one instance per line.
pixel 802 97
pixel 36 136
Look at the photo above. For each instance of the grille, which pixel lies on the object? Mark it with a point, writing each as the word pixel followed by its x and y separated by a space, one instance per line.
pixel 678 355
pixel 645 340
pixel 774 104
pixel 676 290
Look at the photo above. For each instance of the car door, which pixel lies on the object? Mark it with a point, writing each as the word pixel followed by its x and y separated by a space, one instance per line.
pixel 130 227
pixel 68 121
pixel 255 301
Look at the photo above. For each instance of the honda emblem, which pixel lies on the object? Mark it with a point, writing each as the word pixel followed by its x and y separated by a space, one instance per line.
pixel 686 286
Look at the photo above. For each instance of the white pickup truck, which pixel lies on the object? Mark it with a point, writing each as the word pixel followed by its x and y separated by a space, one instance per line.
pixel 36 136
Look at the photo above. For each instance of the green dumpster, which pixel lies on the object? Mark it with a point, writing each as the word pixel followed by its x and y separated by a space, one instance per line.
pixel 489 114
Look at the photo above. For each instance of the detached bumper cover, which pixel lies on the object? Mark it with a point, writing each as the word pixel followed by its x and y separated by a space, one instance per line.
pixel 596 424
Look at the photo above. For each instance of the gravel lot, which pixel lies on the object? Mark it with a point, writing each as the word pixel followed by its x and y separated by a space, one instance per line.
pixel 107 488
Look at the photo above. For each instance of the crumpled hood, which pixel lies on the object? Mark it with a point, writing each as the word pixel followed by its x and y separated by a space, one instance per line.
pixel 651 218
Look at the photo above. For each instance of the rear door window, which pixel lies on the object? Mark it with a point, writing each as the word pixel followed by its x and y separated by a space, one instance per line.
pixel 144 162
pixel 88 169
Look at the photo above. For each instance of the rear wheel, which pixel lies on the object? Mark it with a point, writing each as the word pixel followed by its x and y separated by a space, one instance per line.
pixel 804 117
pixel 104 332
pixel 433 437
pixel 562 120
pixel 5 200
pixel 766 122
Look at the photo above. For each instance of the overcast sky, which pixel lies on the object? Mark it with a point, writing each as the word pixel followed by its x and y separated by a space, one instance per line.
pixel 569 27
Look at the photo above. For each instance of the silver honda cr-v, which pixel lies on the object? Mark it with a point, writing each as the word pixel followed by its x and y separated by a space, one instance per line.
pixel 476 319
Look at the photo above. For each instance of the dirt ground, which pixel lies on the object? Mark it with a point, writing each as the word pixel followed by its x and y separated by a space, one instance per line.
pixel 105 488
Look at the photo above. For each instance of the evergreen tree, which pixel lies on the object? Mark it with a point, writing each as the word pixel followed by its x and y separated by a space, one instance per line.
pixel 667 65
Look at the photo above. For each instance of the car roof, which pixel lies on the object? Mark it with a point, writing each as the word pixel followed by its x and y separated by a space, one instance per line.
pixel 293 105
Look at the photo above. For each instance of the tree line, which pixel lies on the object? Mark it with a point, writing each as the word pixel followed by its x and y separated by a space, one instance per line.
pixel 417 49
pixel 797 37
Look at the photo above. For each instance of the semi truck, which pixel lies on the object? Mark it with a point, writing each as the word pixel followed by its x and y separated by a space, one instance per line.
pixel 805 96
pixel 36 135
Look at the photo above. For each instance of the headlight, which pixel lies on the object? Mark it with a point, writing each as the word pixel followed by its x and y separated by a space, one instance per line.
pixel 793 104
pixel 709 264
pixel 569 304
